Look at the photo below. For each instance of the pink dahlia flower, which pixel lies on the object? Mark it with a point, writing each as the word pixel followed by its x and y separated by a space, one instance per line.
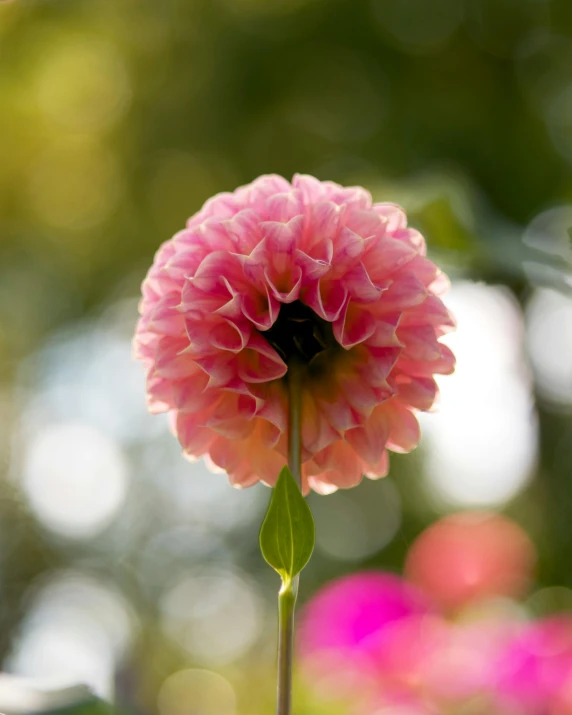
pixel 307 271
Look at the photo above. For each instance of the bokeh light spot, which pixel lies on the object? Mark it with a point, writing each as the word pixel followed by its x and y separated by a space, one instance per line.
pixel 549 338
pixel 354 525
pixel 418 25
pixel 82 84
pixel 75 478
pixel 216 615
pixel 196 692
pixel 76 630
pixel 550 600
pixel 482 443
pixel 74 184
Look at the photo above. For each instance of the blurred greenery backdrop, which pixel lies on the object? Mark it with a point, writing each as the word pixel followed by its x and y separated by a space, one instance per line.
pixel 121 564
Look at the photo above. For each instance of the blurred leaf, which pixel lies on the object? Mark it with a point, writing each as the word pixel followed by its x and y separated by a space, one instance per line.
pixel 288 533
pixel 91 706
pixel 19 697
pixel 443 227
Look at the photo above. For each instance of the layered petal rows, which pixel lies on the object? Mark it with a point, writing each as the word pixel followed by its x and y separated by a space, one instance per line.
pixel 217 287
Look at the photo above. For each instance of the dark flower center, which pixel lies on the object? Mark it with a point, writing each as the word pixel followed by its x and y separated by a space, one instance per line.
pixel 299 334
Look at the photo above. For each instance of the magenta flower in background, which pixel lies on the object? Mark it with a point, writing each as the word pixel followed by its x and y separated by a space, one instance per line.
pixel 354 623
pixel 353 613
pixel 452 642
pixel 534 670
pixel 307 271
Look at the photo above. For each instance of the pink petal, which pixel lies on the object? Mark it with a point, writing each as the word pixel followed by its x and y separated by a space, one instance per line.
pixel 170 360
pixel 190 394
pixel 229 336
pixel 354 326
pixel 317 431
pixel 444 365
pixel 196 303
pixel 431 312
pixel 267 463
pixel 312 269
pixel 226 453
pixel 323 484
pixel 232 416
pixel 323 224
pixel 403 293
pixel 216 266
pixel 244 230
pixel 347 249
pixel 393 214
pixel 282 237
pixel 369 441
pixel 419 392
pixel 377 363
pixel 348 470
pixel 159 394
pixel 413 238
pixel 420 343
pixel 311 189
pixel 385 333
pixel 220 367
pixel 166 317
pixel 274 402
pixel 360 286
pixel 359 393
pixel 222 205
pixel 385 256
pixel 425 271
pixel 355 197
pixel 259 362
pixel 261 310
pixel 326 298
pixel 341 414
pixel 285 206
pixel 379 470
pixel 364 223
pixel 404 432
pixel 194 437
pixel 285 287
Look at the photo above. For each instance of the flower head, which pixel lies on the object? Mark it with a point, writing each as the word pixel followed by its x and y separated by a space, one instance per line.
pixel 307 271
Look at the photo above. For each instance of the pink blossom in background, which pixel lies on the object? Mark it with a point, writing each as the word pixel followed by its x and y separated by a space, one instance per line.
pixel 404 658
pixel 534 670
pixel 465 666
pixel 471 556
pixel 303 270
pixel 351 623
pixel 384 645
pixel 353 613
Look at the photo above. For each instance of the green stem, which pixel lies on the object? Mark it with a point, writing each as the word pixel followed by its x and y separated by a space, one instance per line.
pixel 289 590
pixel 295 420
pixel 286 605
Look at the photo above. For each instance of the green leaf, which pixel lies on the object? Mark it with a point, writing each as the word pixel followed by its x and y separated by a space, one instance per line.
pixel 26 699
pixel 287 534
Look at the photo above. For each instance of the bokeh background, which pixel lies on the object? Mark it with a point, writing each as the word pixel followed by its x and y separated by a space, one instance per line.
pixel 122 565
